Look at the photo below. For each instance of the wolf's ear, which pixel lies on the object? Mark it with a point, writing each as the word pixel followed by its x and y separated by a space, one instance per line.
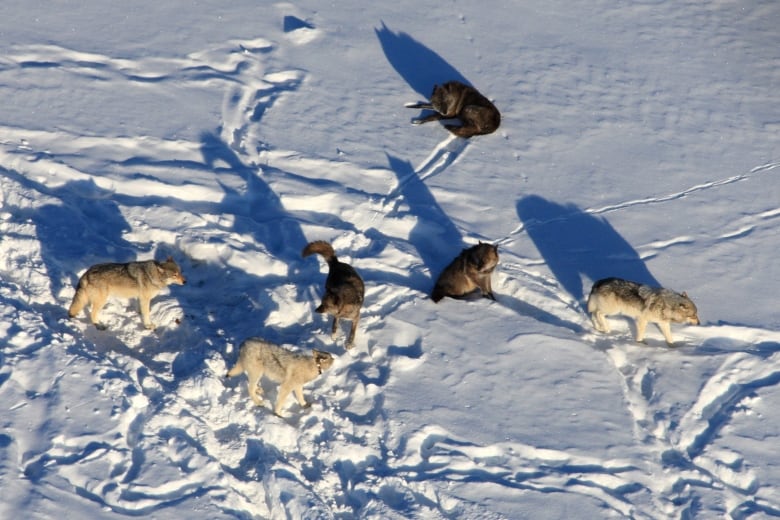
pixel 685 294
pixel 169 259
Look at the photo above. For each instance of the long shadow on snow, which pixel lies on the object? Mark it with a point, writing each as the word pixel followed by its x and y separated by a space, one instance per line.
pixel 418 65
pixel 85 228
pixel 574 243
pixel 434 235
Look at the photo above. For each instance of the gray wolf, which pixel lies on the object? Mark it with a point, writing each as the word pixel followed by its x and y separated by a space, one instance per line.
pixel 344 289
pixel 468 275
pixel 454 100
pixel 142 280
pixel 641 302
pixel 291 369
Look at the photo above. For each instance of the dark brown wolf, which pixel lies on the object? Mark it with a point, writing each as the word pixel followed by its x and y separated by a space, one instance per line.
pixel 468 275
pixel 344 289
pixel 454 100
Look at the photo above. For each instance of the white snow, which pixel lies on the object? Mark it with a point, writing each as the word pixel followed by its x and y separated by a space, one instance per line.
pixel 638 139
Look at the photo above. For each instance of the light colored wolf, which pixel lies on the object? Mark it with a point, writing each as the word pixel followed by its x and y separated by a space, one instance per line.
pixel 142 280
pixel 468 275
pixel 344 289
pixel 292 369
pixel 455 100
pixel 643 303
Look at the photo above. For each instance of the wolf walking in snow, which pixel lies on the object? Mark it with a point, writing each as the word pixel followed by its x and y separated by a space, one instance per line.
pixel 344 289
pixel 643 303
pixel 292 370
pixel 468 275
pixel 454 100
pixel 142 280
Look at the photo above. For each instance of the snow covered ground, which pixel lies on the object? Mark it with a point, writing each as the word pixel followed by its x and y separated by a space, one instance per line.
pixel 638 139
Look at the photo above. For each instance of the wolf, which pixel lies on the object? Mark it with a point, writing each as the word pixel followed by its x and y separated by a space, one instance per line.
pixel 641 302
pixel 454 100
pixel 468 275
pixel 291 369
pixel 142 280
pixel 344 289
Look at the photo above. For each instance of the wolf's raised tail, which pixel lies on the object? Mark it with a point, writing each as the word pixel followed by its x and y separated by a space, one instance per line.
pixel 321 248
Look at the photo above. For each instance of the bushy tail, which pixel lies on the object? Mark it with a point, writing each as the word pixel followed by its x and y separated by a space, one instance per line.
pixel 80 300
pixel 322 248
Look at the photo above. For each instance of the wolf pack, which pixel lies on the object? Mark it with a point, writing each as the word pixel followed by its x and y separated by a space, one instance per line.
pixel 466 277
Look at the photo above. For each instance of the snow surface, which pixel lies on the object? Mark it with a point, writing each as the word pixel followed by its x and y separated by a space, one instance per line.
pixel 638 139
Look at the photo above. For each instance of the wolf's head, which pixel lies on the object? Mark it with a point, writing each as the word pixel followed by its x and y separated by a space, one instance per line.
pixel 170 272
pixel 680 308
pixel 484 257
pixel 324 360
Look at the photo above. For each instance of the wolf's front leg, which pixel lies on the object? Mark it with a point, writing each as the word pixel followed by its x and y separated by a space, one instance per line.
pixel 299 395
pixel 352 331
pixel 334 329
pixel 284 390
pixel 641 325
pixel 145 310
pixel 666 330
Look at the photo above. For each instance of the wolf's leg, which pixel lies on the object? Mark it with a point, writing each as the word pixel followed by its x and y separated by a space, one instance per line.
pixel 98 301
pixel 600 322
pixel 666 330
pixel 145 309
pixel 641 325
pixel 487 288
pixel 427 119
pixel 334 328
pixel 80 299
pixel 299 395
pixel 254 388
pixel 352 330
pixel 284 390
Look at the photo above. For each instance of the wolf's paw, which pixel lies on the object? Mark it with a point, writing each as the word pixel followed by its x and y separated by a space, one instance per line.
pixel 100 326
pixel 150 326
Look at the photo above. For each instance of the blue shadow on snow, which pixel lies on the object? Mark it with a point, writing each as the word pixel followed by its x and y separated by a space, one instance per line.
pixel 418 65
pixel 574 244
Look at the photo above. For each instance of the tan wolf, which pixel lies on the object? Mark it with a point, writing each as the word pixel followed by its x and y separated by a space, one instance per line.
pixel 468 275
pixel 142 280
pixel 291 369
pixel 454 100
pixel 643 303
pixel 344 289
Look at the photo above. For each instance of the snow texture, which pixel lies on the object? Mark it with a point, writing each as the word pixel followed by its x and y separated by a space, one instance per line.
pixel 638 139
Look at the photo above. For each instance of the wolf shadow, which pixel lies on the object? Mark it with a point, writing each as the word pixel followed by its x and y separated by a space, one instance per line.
pixel 577 244
pixel 417 64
